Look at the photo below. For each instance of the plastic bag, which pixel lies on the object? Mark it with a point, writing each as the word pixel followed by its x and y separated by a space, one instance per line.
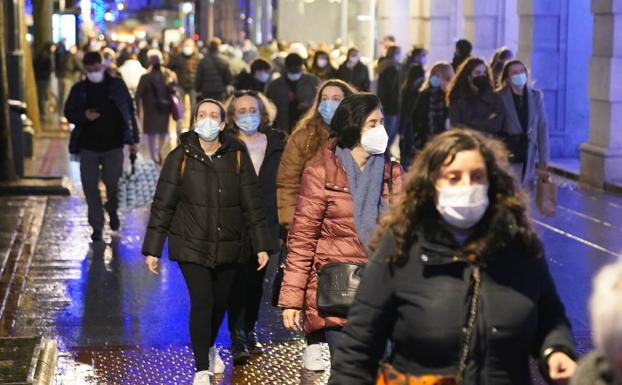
pixel 137 185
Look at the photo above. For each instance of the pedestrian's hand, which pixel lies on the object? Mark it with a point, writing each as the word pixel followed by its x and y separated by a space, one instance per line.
pixel 262 259
pixel 133 149
pixel 291 319
pixel 152 264
pixel 561 367
pixel 91 114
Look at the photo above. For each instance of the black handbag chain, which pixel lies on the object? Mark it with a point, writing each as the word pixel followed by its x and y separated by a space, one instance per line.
pixel 476 277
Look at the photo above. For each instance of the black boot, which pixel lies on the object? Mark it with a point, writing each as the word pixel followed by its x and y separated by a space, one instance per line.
pixel 254 346
pixel 238 347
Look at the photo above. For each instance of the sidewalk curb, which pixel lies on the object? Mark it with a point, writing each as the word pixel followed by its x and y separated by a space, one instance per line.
pixel 574 175
pixel 57 185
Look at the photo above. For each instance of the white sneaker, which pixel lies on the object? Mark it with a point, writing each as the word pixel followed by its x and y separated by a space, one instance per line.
pixel 216 365
pixel 203 377
pixel 313 359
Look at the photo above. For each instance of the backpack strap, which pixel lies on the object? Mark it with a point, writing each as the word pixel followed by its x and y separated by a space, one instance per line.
pixel 182 169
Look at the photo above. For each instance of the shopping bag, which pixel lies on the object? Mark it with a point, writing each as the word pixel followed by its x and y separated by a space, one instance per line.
pixel 177 106
pixel 137 185
pixel 546 194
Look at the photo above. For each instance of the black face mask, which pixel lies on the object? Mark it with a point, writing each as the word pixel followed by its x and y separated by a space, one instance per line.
pixel 481 82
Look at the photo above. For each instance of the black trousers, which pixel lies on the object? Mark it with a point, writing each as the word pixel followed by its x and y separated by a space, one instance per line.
pixel 209 291
pixel 245 299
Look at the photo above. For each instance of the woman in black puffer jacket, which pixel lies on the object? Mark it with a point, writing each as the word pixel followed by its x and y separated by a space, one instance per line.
pixel 208 200
pixel 459 282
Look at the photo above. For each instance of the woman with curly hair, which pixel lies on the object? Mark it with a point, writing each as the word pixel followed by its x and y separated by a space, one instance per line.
pixel 471 99
pixel 459 282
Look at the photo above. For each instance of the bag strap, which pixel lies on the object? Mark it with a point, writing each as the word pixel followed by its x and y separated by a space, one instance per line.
pixel 464 353
pixel 182 169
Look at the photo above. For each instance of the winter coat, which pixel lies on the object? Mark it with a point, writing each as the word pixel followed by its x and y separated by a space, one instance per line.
pixel 205 206
pixel 278 91
pixel 75 108
pixel 43 65
pixel 131 72
pixel 304 147
pixel 537 133
pixel 153 100
pixel 389 86
pixel 421 119
pixel 358 76
pixel 186 69
pixel 267 180
pixel 474 112
pixel 213 76
pixel 422 306
pixel 594 369
pixel 323 231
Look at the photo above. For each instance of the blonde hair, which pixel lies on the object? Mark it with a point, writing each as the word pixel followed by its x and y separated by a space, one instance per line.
pixel 606 312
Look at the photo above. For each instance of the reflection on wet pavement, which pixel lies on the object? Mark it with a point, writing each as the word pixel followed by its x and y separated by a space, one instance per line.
pixel 117 324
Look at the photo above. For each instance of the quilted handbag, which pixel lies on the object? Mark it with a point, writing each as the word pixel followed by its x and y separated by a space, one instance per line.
pixel 337 284
pixel 138 185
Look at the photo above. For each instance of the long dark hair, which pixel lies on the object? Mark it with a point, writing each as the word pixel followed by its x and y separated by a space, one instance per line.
pixel 415 209
pixel 350 117
pixel 505 74
pixel 460 86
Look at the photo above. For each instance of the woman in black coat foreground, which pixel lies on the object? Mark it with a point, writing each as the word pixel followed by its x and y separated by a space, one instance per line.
pixel 458 282
pixel 207 200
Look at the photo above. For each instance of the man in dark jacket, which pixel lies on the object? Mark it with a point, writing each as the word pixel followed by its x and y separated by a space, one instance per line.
pixel 258 77
pixel 292 93
pixel 354 72
pixel 213 75
pixel 185 66
pixel 389 90
pixel 102 110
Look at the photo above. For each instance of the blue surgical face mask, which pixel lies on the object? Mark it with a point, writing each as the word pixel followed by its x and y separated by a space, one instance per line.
pixel 248 123
pixel 327 109
pixel 519 80
pixel 435 81
pixel 263 76
pixel 207 129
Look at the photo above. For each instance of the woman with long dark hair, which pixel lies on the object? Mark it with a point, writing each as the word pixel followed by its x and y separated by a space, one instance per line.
pixel 471 98
pixel 341 199
pixel 409 93
pixel 459 281
pixel 525 129
pixel 207 199
pixel 249 119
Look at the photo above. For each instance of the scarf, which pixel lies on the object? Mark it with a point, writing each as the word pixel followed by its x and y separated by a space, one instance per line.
pixel 366 189
pixel 436 113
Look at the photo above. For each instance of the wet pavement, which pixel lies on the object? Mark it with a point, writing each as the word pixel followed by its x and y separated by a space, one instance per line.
pixel 117 324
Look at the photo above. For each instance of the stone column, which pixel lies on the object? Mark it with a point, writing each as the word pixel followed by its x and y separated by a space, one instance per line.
pixel 436 24
pixel 601 156
pixel 394 19
pixel 484 26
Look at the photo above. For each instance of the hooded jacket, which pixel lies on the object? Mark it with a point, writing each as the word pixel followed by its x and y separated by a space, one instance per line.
pixel 206 207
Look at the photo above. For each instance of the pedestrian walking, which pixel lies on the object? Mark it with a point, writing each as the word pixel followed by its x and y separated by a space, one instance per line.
pixel 462 51
pixel 389 89
pixel 409 93
pixel 61 56
pixel 525 128
pixel 472 101
pixel 340 201
pixel 430 115
pixel 43 65
pixel 497 62
pixel 354 72
pixel 418 56
pixel 458 282
pixel 306 145
pixel 603 365
pixel 322 67
pixel 208 197
pixel 154 104
pixel 131 71
pixel 185 65
pixel 258 77
pixel 292 93
pixel 102 110
pixel 213 74
pixel 249 120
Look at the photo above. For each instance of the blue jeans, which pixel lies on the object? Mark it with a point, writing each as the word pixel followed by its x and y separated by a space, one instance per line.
pixel 390 124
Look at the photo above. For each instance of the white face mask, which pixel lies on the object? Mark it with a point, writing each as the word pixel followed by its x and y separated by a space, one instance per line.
pixel 294 76
pixel 322 63
pixel 95 77
pixel 463 206
pixel 374 141
pixel 188 51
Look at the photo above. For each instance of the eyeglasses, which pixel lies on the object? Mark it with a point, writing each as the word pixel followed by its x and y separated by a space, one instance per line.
pixel 240 93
